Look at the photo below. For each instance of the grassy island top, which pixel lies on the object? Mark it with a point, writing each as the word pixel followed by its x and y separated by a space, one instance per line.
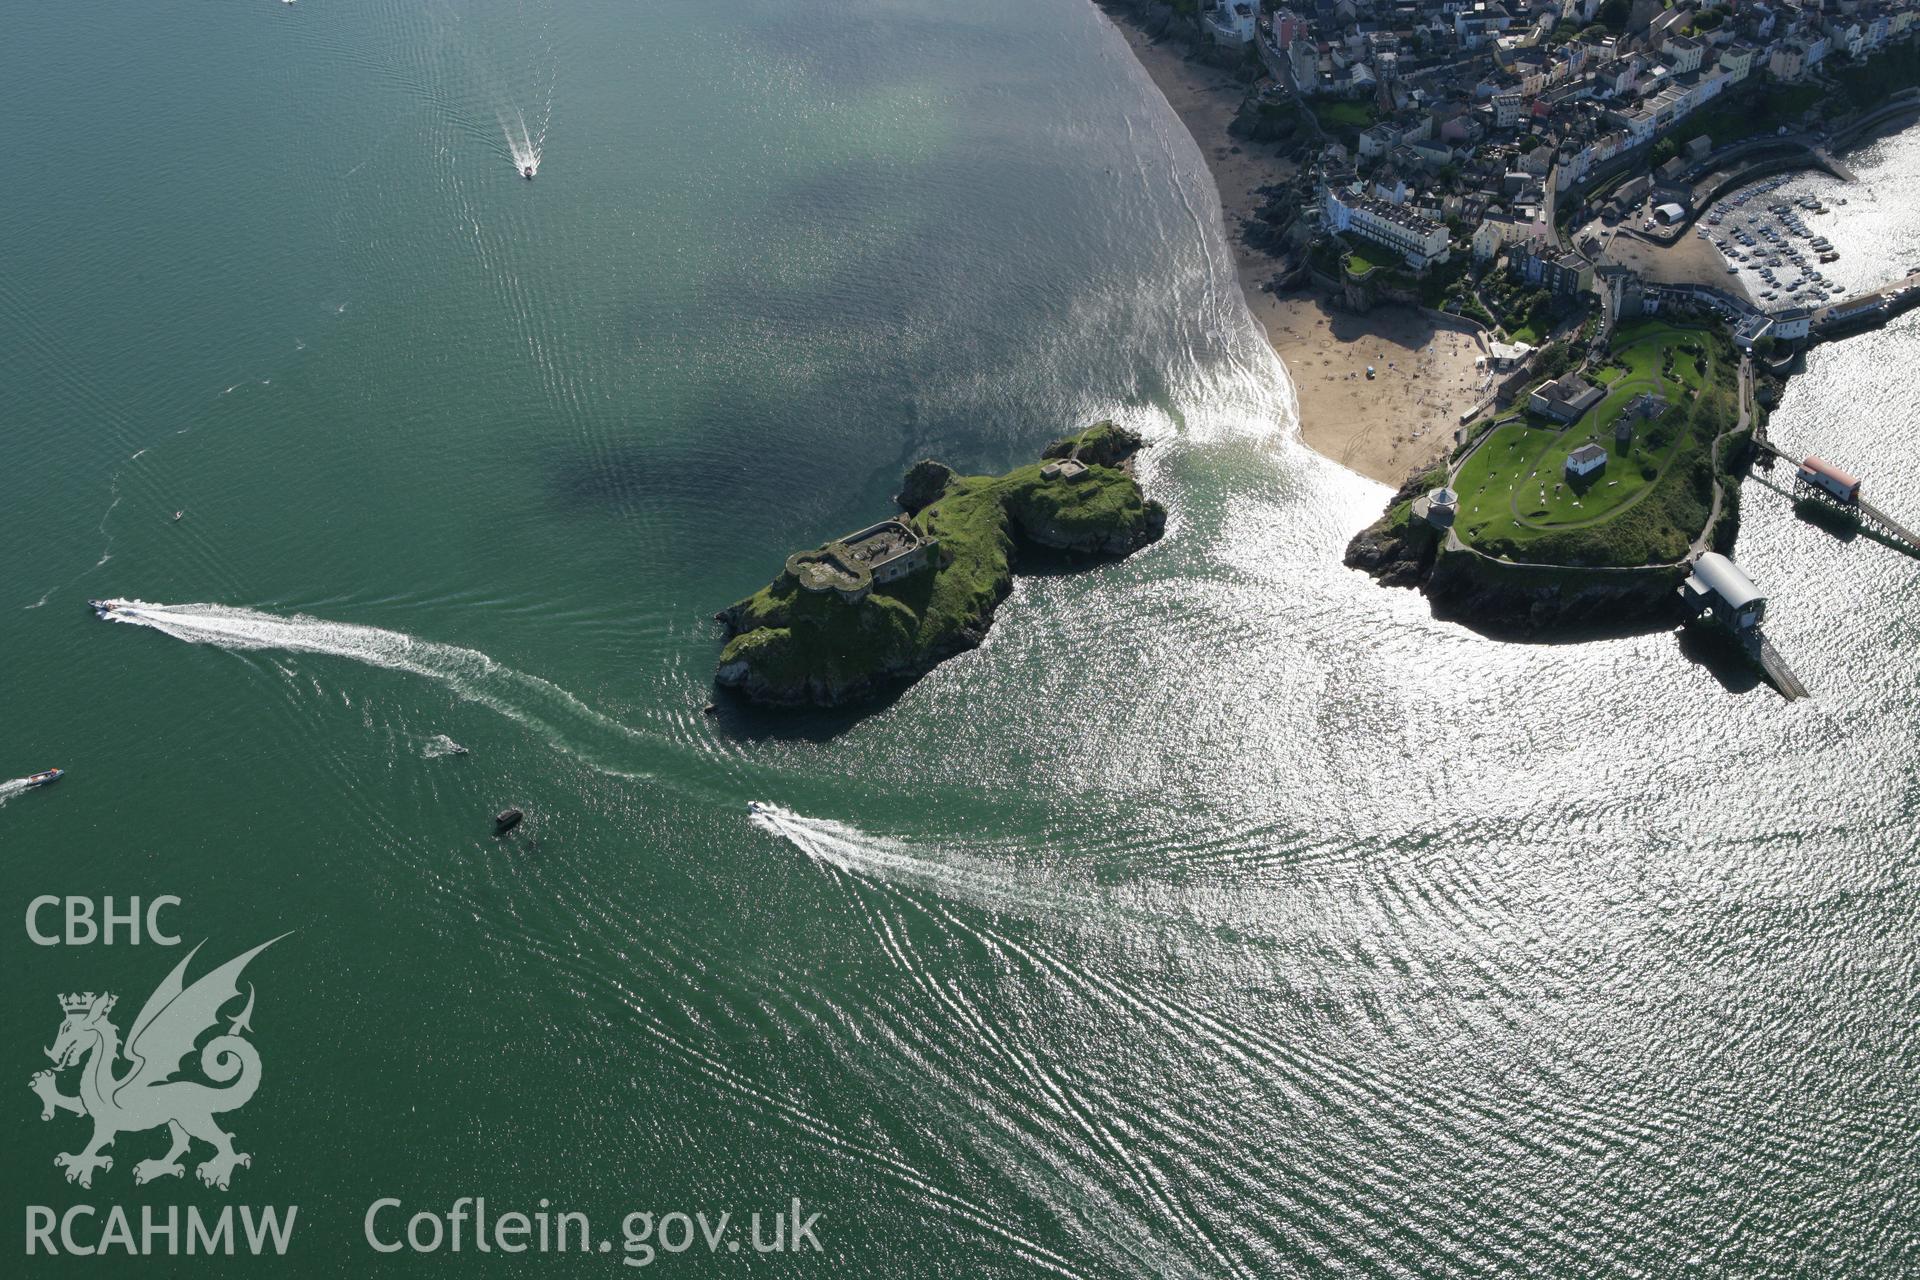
pixel 1654 493
pixel 786 638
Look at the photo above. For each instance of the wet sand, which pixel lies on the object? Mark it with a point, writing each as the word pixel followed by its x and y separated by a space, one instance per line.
pixel 1424 367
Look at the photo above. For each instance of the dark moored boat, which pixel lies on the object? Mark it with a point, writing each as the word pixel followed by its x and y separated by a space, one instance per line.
pixel 506 820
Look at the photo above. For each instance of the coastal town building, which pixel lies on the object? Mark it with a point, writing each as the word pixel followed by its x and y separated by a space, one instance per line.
pixel 1792 324
pixel 1736 62
pixel 1586 460
pixel 1565 398
pixel 1565 275
pixel 1497 230
pixel 1420 241
pixel 1232 22
pixel 1645 407
pixel 1506 355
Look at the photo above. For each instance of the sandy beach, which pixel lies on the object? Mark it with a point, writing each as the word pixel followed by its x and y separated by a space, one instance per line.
pixel 1383 428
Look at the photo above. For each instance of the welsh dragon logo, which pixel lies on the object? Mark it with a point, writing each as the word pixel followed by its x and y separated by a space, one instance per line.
pixel 146 1095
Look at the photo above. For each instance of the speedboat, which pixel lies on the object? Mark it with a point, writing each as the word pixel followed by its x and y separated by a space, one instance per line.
pixel 105 607
pixel 43 778
pixel 527 173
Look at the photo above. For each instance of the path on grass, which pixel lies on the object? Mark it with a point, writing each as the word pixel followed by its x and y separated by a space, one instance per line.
pixel 1746 415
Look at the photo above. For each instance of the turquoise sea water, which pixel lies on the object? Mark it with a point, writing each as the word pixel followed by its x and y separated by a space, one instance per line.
pixel 1224 915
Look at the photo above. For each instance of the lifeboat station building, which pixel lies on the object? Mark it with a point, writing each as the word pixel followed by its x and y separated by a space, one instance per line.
pixel 1717 586
pixel 1823 479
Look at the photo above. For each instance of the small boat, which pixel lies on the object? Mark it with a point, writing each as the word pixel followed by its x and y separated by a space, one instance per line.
pixel 178 514
pixel 45 776
pixel 506 820
pixel 527 173
pixel 105 607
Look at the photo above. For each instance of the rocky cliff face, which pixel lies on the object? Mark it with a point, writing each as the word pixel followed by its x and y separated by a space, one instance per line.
pixel 1545 603
pixel 1520 601
pixel 1397 551
pixel 925 481
pixel 1044 529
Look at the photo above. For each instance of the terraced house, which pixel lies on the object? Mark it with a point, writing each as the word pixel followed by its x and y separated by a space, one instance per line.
pixel 1419 240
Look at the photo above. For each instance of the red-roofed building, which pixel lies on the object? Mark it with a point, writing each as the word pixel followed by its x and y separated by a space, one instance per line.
pixel 1831 480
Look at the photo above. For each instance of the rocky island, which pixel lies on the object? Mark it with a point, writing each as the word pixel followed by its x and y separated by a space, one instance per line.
pixel 845 621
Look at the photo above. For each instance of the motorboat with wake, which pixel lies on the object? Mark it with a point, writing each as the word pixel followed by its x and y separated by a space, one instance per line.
pixel 527 173
pixel 105 607
pixel 45 776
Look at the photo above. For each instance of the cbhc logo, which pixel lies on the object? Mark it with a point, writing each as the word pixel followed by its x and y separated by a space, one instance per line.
pixel 85 926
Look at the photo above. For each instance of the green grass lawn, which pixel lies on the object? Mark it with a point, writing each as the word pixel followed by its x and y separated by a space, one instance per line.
pixel 1343 117
pixel 1359 263
pixel 1648 502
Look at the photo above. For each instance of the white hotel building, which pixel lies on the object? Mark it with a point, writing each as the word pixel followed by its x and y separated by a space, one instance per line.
pixel 1421 241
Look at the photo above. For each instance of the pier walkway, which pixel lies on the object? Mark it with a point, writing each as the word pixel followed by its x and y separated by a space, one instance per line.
pixel 1779 672
pixel 1890 529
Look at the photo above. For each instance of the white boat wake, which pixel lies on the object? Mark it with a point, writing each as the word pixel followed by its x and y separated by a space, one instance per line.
pixel 12 788
pixel 848 849
pixel 524 143
pixel 567 722
pixel 604 744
